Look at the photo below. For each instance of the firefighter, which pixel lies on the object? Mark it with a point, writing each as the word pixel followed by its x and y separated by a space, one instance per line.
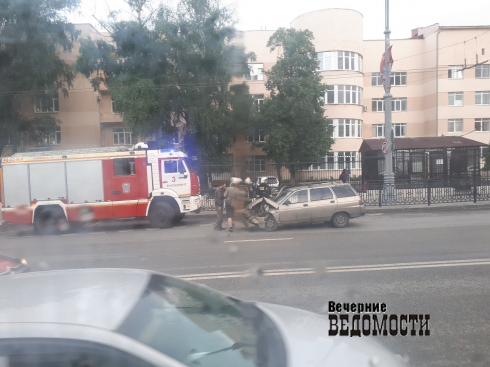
pixel 264 190
pixel 219 201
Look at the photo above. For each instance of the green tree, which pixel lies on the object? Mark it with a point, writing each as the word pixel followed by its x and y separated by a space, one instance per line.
pixel 175 68
pixel 292 118
pixel 33 34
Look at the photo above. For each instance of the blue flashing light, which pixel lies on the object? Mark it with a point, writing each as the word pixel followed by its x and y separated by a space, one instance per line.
pixel 167 150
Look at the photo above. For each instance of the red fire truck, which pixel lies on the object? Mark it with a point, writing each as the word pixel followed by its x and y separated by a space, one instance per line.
pixel 49 189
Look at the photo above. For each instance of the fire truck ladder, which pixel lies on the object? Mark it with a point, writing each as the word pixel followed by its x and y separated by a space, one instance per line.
pixel 51 153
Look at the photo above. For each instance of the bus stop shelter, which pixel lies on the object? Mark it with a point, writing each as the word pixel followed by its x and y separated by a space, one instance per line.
pixel 434 158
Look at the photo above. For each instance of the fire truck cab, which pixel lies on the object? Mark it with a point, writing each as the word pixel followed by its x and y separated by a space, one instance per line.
pixel 50 189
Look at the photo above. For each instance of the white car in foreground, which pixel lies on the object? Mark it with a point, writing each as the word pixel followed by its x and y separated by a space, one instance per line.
pixel 133 318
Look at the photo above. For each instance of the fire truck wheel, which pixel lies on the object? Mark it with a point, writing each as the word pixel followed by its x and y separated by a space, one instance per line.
pixel 48 221
pixel 179 217
pixel 161 215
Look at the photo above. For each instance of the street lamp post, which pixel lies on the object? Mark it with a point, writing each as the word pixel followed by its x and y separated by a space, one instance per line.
pixel 389 177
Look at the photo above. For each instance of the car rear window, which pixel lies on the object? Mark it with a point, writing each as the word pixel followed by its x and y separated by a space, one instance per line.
pixel 272 180
pixel 322 193
pixel 343 191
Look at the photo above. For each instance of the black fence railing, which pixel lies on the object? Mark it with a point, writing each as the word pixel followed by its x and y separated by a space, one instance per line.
pixel 420 192
pixel 304 172
pixel 426 192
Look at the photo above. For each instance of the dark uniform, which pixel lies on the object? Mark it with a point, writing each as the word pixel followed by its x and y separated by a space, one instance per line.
pixel 263 191
pixel 219 201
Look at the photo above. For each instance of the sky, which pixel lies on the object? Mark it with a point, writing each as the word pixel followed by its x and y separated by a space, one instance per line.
pixel 405 15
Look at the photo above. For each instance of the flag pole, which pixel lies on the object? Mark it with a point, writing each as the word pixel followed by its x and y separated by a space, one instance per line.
pixel 389 177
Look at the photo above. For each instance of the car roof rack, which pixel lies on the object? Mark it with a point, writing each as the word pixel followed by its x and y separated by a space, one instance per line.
pixel 311 184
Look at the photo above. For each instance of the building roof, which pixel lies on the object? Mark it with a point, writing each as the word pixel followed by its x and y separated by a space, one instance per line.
pixel 369 145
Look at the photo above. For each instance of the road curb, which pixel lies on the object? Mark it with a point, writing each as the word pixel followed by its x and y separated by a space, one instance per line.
pixel 431 208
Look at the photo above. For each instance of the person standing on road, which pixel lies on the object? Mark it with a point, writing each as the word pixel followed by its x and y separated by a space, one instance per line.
pixel 264 190
pixel 219 202
pixel 344 176
pixel 231 195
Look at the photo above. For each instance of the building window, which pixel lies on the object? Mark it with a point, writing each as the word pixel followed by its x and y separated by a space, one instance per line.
pixel 338 161
pixel 255 136
pixel 112 105
pixel 378 131
pixel 52 137
pixel 122 136
pixel 344 94
pixel 256 163
pixel 258 100
pixel 46 104
pixel 256 72
pixel 396 78
pixel 482 124
pixel 376 79
pixel 455 72
pixel 339 60
pixel 455 126
pixel 346 128
pixel 455 99
pixel 482 98
pixel 400 130
pixel 397 105
pixel 378 105
pixel 482 71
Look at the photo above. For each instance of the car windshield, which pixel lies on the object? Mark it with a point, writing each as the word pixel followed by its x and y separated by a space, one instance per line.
pixel 195 326
pixel 282 195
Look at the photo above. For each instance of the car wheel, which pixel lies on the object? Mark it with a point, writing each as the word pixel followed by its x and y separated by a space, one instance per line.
pixel 161 215
pixel 48 221
pixel 179 217
pixel 270 224
pixel 340 220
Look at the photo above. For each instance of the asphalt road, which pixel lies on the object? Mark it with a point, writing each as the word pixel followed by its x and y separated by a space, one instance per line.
pixel 435 263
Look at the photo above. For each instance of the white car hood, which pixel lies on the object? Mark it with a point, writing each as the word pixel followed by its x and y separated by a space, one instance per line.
pixel 307 343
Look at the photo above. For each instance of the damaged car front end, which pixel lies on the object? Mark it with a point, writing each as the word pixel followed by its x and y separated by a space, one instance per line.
pixel 261 213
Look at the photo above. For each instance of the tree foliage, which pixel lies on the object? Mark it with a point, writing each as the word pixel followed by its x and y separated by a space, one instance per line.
pixel 32 36
pixel 292 118
pixel 174 69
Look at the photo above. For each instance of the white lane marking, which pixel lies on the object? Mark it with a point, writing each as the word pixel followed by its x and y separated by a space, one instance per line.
pixel 97 232
pixel 150 229
pixel 341 269
pixel 128 230
pixel 263 239
pixel 69 234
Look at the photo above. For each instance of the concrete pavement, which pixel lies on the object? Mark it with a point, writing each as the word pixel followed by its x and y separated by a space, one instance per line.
pixel 420 262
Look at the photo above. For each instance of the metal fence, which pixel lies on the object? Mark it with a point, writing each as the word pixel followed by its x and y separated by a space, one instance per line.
pixel 305 172
pixel 425 192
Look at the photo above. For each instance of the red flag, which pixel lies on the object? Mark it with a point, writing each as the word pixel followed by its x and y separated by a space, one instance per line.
pixel 382 64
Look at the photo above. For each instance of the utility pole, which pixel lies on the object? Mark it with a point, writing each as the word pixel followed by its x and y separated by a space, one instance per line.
pixel 389 177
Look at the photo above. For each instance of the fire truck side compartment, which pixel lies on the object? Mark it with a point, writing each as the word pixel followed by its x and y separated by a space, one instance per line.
pixel 84 181
pixel 47 181
pixel 16 185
